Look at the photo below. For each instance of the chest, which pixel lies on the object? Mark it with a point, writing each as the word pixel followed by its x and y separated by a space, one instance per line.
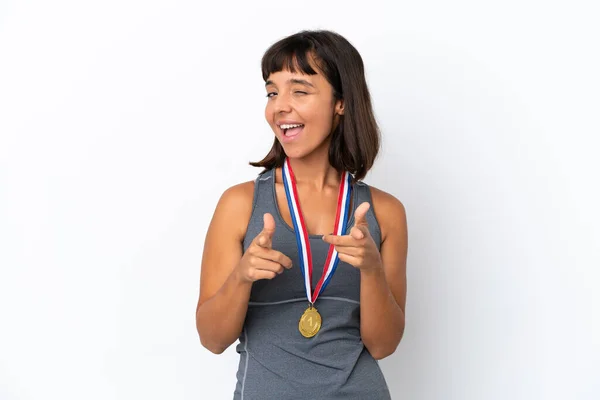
pixel 318 209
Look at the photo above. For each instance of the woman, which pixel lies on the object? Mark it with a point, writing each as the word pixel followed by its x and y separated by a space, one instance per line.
pixel 306 265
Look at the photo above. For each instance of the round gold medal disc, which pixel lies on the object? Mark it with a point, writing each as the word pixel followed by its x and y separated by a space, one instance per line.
pixel 310 322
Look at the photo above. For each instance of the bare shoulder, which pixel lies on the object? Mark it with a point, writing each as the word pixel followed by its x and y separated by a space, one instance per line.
pixel 235 205
pixel 223 243
pixel 238 195
pixel 389 211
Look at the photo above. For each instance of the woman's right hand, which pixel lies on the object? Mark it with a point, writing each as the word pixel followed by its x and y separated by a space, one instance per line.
pixel 260 261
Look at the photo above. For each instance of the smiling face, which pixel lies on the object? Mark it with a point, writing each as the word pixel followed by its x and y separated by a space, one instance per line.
pixel 302 111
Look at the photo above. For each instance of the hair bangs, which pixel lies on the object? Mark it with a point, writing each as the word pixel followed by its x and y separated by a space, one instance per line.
pixel 293 55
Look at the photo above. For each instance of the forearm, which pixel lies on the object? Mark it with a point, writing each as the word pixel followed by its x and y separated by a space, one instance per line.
pixel 220 319
pixel 381 318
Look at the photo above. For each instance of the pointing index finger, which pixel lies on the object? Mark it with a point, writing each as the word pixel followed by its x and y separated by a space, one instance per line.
pixel 360 214
pixel 264 238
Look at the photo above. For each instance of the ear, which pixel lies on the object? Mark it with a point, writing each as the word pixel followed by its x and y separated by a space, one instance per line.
pixel 339 107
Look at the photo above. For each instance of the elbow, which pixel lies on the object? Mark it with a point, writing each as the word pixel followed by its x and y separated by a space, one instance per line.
pixel 381 352
pixel 382 349
pixel 216 350
pixel 212 347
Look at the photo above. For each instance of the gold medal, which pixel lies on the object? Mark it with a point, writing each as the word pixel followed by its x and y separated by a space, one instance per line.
pixel 310 322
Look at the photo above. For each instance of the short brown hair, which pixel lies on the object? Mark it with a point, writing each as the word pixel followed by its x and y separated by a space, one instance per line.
pixel 356 140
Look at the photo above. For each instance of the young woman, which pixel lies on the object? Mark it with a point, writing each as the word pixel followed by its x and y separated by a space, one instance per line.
pixel 306 265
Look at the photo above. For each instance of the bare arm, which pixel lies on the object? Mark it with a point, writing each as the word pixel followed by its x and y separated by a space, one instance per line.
pixel 223 299
pixel 382 272
pixel 383 290
pixel 227 273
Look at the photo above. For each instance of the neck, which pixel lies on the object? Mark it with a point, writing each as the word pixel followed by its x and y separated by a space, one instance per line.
pixel 315 171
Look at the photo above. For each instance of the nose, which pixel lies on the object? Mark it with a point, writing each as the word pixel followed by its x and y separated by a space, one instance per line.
pixel 282 103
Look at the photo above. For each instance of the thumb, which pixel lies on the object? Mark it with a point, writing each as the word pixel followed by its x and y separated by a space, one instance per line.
pixel 266 235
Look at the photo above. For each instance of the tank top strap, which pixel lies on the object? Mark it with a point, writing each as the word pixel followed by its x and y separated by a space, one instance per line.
pixel 264 195
pixel 363 193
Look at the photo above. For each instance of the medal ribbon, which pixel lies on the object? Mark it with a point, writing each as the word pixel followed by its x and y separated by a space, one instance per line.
pixel 302 240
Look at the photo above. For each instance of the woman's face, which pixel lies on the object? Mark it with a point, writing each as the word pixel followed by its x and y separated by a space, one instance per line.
pixel 301 110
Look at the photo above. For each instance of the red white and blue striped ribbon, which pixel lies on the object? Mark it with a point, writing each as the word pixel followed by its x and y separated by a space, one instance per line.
pixel 302 239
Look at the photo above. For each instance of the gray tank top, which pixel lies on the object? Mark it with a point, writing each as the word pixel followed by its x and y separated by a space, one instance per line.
pixel 276 361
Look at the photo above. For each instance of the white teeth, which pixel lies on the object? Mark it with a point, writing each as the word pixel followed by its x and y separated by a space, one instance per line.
pixel 289 126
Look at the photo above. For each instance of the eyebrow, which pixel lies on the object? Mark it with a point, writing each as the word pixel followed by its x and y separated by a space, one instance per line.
pixel 293 80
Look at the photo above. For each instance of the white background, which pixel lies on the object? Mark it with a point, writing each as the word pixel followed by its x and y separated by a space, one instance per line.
pixel 122 122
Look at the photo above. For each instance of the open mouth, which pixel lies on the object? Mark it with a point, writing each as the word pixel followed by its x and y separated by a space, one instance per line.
pixel 290 130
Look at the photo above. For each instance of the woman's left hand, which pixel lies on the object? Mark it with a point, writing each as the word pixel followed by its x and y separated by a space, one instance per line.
pixel 358 248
